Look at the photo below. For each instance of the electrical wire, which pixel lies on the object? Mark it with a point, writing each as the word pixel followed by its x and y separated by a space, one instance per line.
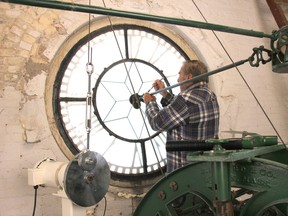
pixel 105 206
pixel 35 199
pixel 243 78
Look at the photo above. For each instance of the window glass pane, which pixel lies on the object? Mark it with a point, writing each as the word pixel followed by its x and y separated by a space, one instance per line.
pixel 125 62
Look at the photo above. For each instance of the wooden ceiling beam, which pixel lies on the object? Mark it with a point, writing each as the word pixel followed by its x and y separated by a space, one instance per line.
pixel 277 12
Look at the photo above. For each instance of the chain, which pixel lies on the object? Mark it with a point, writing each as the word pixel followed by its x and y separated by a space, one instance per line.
pixel 258 56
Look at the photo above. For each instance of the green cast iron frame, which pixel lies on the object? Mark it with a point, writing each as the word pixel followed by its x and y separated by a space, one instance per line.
pixel 260 172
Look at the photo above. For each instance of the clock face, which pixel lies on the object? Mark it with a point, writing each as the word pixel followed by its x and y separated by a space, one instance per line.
pixel 126 60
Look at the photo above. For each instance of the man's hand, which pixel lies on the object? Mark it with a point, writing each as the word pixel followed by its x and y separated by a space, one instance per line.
pixel 159 84
pixel 148 97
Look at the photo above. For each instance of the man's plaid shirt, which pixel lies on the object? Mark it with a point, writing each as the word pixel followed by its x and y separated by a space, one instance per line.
pixel 191 115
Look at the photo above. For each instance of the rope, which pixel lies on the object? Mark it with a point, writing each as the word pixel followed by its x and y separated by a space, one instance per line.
pixel 133 89
pixel 89 70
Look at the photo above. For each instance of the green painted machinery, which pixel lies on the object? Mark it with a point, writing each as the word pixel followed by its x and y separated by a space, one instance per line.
pixel 240 177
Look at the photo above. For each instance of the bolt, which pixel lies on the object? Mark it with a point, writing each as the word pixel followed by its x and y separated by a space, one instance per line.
pixel 89 177
pixel 162 195
pixel 173 186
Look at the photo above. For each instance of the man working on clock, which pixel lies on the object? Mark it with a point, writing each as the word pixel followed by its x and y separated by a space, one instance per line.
pixel 193 114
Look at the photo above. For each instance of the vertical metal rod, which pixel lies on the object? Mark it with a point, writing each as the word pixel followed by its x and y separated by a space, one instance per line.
pixel 89 70
pixel 221 184
pixel 222 188
pixel 222 180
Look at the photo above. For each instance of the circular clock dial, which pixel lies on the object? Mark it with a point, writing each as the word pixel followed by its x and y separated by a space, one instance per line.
pixel 112 92
pixel 126 60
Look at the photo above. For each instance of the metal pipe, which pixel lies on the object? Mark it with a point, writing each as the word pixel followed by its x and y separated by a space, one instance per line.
pixel 201 76
pixel 134 15
pixel 136 99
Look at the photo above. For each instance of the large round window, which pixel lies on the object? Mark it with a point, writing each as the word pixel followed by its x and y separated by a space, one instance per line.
pixel 126 59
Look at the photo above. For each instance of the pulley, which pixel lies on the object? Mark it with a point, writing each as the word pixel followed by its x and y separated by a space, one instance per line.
pixel 87 178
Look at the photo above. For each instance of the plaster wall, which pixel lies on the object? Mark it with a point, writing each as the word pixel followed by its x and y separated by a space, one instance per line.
pixel 30 38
